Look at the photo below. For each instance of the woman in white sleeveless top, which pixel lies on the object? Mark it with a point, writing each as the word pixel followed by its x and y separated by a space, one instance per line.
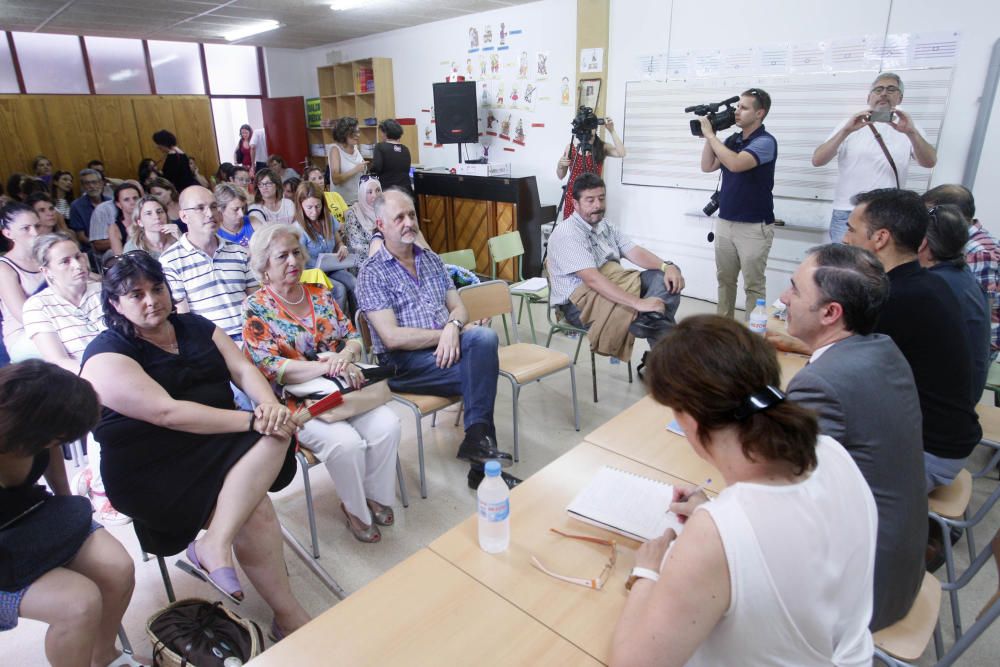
pixel 778 569
pixel 346 163
pixel 19 276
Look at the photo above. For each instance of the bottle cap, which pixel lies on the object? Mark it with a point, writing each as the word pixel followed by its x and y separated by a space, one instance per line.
pixel 492 468
pixel 761 302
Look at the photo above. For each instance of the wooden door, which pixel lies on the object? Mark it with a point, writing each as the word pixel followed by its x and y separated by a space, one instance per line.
pixel 285 128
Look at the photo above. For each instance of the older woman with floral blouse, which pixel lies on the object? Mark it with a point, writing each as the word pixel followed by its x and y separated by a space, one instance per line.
pixel 296 332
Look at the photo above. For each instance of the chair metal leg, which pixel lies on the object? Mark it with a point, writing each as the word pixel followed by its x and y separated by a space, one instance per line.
pixel 458 417
pixel 938 641
pixel 420 450
pixel 970 540
pixel 949 563
pixel 630 371
pixel 506 333
pixel 166 579
pixel 531 320
pixel 403 495
pixel 311 563
pixel 579 344
pixel 548 341
pixel 310 508
pixel 145 556
pixel 593 371
pixel 576 405
pixel 434 420
pixel 515 390
pixel 123 638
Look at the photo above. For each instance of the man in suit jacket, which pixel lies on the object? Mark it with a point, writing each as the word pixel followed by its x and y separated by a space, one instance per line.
pixel 862 388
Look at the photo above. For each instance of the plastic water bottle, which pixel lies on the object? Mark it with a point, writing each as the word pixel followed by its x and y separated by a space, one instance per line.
pixel 758 318
pixel 494 511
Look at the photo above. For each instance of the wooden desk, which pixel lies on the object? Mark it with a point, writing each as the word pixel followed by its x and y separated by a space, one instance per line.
pixel 424 611
pixel 640 433
pixel 583 616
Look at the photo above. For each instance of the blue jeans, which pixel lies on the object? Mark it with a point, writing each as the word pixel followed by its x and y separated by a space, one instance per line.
pixel 474 377
pixel 344 284
pixel 838 225
pixel 652 285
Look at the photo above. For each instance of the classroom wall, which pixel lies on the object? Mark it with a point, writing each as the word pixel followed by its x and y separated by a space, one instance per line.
pixel 423 54
pixel 657 216
pixel 116 129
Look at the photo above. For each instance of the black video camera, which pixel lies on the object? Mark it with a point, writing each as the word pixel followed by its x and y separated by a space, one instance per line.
pixel 712 206
pixel 585 123
pixel 720 120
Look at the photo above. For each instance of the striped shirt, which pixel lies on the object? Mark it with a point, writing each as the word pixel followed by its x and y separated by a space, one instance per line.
pixel 417 302
pixel 576 245
pixel 76 326
pixel 215 286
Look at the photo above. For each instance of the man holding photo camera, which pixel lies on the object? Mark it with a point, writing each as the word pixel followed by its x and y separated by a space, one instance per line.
pixel 745 229
pixel 876 157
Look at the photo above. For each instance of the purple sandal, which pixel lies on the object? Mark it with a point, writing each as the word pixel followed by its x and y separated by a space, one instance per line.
pixel 224 579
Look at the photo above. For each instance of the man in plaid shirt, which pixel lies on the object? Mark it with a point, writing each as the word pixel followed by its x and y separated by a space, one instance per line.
pixel 982 252
pixel 420 327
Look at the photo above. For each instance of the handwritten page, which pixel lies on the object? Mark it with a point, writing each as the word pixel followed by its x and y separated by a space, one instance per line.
pixel 626 503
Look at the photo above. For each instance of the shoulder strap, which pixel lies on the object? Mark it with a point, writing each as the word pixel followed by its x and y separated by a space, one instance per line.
pixel 888 156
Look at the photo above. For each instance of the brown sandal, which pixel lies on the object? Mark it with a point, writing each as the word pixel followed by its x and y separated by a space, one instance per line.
pixel 368 534
pixel 382 514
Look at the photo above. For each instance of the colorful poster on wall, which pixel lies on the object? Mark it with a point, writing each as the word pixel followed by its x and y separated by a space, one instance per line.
pixel 314 113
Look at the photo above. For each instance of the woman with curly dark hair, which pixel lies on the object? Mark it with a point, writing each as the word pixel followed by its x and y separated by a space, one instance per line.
pixel 345 161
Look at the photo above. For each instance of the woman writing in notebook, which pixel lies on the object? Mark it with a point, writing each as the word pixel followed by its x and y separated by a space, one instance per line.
pixel 778 569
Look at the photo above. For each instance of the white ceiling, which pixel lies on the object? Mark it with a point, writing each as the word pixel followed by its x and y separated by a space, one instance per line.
pixel 306 23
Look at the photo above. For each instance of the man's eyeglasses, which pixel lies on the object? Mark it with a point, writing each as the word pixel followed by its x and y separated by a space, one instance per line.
pixel 203 208
pixel 596 584
pixel 878 90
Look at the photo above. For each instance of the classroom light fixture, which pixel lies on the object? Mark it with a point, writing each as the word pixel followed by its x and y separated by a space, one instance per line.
pixel 251 29
pixel 344 5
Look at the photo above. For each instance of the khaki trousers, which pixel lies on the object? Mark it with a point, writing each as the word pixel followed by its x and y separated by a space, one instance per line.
pixel 741 245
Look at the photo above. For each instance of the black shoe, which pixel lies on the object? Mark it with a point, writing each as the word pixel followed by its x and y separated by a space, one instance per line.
pixel 479 447
pixel 476 475
pixel 649 325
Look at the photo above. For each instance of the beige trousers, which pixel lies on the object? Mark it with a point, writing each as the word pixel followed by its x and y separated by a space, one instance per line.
pixel 741 246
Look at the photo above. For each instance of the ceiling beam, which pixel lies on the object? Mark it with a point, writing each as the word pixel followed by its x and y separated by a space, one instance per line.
pixel 53 15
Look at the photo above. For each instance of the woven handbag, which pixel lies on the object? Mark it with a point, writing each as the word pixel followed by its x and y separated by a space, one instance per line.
pixel 198 633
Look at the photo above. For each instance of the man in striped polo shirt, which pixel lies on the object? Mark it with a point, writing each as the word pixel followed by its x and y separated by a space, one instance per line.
pixel 207 275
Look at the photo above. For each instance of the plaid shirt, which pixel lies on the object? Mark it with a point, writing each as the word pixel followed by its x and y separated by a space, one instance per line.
pixel 418 303
pixel 982 254
pixel 575 245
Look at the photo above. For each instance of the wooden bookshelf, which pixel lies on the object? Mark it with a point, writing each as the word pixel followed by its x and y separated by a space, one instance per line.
pixel 361 89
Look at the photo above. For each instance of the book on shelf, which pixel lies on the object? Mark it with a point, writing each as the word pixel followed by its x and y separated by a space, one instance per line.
pixel 626 503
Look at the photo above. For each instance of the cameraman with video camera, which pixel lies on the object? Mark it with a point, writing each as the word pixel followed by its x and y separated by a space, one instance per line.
pixel 586 155
pixel 745 229
pixel 876 157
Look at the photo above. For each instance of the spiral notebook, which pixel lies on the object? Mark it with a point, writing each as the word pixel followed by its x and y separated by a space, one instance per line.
pixel 626 503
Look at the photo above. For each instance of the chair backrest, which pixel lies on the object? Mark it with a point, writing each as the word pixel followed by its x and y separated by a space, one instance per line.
pixel 335 202
pixel 489 299
pixel 464 258
pixel 364 329
pixel 504 247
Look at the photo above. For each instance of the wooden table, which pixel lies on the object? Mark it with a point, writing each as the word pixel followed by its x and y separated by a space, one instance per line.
pixel 640 433
pixel 424 611
pixel 584 617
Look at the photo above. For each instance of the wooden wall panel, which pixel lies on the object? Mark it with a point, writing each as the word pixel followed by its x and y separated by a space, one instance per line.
pixel 114 123
pixel 195 131
pixel 24 133
pixel 471 218
pixel 116 129
pixel 434 220
pixel 152 113
pixel 74 133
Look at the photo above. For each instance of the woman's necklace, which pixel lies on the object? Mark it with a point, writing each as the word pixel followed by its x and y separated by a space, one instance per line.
pixel 168 347
pixel 292 303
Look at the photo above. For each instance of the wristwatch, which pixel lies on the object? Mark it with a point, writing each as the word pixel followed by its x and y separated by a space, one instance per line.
pixel 640 573
pixel 458 323
pixel 666 263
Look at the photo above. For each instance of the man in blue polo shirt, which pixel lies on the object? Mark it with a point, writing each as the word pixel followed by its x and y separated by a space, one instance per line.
pixel 745 229
pixel 83 207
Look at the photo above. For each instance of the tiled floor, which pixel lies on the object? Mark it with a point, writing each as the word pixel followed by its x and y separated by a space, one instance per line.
pixel 546 432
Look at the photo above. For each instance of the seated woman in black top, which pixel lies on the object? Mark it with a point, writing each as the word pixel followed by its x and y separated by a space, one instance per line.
pixel 177 455
pixel 59 567
pixel 391 161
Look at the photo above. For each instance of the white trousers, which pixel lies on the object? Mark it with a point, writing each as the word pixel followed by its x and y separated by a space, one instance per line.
pixel 360 455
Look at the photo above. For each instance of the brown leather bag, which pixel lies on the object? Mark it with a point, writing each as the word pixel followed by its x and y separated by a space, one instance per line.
pixel 198 633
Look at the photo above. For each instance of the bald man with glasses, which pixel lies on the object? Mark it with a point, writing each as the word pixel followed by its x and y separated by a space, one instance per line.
pixel 873 148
